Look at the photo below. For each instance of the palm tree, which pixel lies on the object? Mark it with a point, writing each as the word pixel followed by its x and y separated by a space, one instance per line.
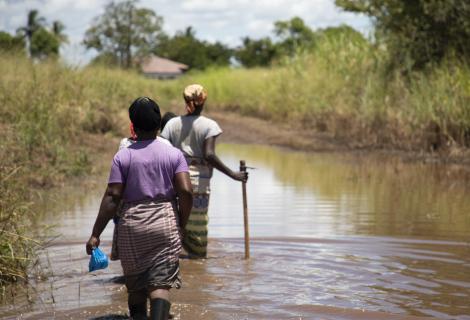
pixel 34 23
pixel 58 30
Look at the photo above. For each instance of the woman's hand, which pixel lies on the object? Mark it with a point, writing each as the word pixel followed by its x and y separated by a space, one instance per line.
pixel 240 176
pixel 92 243
pixel 108 208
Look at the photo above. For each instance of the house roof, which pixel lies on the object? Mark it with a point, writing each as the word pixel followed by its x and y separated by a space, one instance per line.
pixel 154 64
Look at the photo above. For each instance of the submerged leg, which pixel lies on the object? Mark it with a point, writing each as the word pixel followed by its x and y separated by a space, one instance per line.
pixel 195 238
pixel 137 302
pixel 159 303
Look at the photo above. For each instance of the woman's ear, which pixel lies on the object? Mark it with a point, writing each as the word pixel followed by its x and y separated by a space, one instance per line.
pixel 133 134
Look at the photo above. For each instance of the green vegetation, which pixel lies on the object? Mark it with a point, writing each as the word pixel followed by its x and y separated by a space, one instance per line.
pixel 291 37
pixel 256 53
pixel 16 248
pixel 418 32
pixel 293 34
pixel 344 87
pixel 42 43
pixel 184 47
pixel 9 43
pixel 123 32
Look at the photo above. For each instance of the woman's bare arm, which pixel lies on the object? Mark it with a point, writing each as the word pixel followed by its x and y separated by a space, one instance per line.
pixel 212 159
pixel 184 191
pixel 109 205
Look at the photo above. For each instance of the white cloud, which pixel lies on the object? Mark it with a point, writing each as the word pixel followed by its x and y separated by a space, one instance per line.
pixel 223 20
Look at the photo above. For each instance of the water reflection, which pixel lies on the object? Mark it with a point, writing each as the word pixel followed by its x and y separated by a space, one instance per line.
pixel 301 194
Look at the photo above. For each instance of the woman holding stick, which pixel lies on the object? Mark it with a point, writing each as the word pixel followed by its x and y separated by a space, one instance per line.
pixel 195 135
pixel 149 177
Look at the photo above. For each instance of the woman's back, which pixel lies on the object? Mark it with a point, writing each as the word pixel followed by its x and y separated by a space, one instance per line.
pixel 189 132
pixel 147 169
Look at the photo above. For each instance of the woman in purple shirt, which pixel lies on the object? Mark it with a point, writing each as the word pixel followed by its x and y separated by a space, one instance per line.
pixel 151 178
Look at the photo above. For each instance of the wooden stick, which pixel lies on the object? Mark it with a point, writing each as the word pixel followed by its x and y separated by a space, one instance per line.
pixel 245 213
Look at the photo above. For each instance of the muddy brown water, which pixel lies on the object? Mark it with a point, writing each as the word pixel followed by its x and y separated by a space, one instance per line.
pixel 333 237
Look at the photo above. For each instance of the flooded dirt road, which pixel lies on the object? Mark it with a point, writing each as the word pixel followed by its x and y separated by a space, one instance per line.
pixel 333 237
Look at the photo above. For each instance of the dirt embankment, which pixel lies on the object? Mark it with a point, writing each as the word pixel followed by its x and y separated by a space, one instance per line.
pixel 245 129
pixel 252 130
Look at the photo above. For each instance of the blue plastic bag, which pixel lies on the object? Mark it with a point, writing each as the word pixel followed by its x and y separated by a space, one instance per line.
pixel 98 260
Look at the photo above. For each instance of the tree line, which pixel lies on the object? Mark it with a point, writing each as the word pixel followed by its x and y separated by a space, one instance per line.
pixel 38 38
pixel 415 34
pixel 125 33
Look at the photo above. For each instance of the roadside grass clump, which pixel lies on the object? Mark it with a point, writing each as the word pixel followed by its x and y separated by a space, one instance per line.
pixel 16 247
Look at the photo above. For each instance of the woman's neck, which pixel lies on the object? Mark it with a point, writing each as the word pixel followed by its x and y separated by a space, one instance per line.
pixel 141 136
pixel 197 111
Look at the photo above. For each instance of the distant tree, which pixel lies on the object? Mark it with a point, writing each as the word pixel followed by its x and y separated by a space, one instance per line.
pixel 417 32
pixel 33 23
pixel 105 59
pixel 58 30
pixel 343 31
pixel 218 53
pixel 9 43
pixel 184 47
pixel 124 31
pixel 40 42
pixel 293 34
pixel 253 53
pixel 44 44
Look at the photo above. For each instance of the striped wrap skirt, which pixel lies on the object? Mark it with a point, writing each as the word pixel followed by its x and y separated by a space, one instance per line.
pixel 148 238
pixel 196 230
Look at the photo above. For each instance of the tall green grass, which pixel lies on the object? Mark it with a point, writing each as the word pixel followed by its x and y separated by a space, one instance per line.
pixel 345 88
pixel 16 246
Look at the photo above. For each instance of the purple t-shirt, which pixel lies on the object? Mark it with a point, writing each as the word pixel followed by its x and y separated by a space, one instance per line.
pixel 147 169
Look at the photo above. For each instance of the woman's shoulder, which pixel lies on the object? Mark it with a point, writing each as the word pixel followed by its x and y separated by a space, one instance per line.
pixel 164 141
pixel 171 153
pixel 174 121
pixel 171 126
pixel 123 154
pixel 207 121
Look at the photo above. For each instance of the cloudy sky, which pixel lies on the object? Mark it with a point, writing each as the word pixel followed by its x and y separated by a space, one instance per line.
pixel 223 20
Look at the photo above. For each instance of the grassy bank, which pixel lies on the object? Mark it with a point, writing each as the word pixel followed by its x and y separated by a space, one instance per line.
pixel 344 88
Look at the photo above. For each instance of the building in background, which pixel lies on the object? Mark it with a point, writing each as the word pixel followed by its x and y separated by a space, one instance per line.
pixel 161 68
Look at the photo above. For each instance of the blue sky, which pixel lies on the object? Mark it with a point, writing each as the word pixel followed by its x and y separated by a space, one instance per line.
pixel 223 20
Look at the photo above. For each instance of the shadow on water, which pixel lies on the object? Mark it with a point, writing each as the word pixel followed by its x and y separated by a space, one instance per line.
pixel 333 237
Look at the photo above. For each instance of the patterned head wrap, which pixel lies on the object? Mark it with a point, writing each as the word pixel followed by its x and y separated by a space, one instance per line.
pixel 195 95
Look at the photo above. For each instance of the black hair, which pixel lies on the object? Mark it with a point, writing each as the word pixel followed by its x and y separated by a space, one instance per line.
pixel 145 114
pixel 166 117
